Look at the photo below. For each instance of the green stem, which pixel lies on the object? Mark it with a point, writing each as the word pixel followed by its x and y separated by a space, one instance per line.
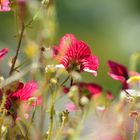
pixel 51 118
pixel 135 130
pixel 17 51
pixel 80 125
pixel 1 122
pixel 51 123
pixel 64 81
pixel 3 101
pixel 21 65
pixel 60 130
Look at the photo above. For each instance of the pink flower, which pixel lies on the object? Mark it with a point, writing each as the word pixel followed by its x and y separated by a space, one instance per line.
pixel 94 89
pixel 4 5
pixel 71 107
pixel 3 52
pixel 27 92
pixel 75 55
pixel 118 72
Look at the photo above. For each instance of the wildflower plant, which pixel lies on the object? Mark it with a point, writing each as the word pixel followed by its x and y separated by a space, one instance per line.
pixel 44 96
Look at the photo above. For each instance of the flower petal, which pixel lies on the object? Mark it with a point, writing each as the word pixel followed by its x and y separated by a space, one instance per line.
pixel 3 52
pixel 118 70
pixel 94 89
pixel 66 41
pixel 78 51
pixel 90 64
pixel 27 91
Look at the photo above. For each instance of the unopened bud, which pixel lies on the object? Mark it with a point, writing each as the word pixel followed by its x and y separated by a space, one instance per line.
pixel 53 81
pixel 32 100
pixel 84 100
pixel 50 69
pixel 1 78
pixel 73 91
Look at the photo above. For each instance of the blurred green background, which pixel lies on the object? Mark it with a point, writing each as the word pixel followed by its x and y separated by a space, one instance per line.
pixel 110 27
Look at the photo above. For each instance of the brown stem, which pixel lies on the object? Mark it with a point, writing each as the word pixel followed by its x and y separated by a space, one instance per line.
pixel 17 51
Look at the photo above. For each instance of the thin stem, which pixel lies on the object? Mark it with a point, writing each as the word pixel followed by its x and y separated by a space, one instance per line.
pixel 3 101
pixel 127 93
pixel 32 119
pixel 21 65
pixel 51 120
pixel 60 130
pixel 1 122
pixel 80 125
pixel 64 81
pixel 71 82
pixel 17 51
pixel 135 130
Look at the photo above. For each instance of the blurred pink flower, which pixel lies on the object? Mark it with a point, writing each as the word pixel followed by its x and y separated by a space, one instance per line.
pixel 118 72
pixel 3 52
pixel 75 55
pixel 71 107
pixel 94 89
pixel 4 5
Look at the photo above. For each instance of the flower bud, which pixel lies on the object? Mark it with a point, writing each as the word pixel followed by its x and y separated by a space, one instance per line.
pixel 32 100
pixel 50 69
pixel 53 81
pixel 1 78
pixel 84 100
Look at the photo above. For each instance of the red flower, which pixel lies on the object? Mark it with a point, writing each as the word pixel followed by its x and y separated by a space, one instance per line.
pixel 4 5
pixel 75 55
pixel 27 91
pixel 3 52
pixel 93 89
pixel 87 89
pixel 118 72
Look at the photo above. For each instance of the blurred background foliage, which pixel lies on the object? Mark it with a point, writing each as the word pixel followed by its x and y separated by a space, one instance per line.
pixel 110 27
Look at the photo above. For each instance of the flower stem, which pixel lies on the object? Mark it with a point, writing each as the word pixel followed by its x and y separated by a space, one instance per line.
pixel 17 51
pixel 135 130
pixel 80 125
pixel 51 122
pixel 60 130
pixel 71 82
pixel 51 118
pixel 3 101
pixel 64 81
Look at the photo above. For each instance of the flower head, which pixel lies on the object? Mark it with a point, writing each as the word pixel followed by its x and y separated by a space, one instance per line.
pixel 118 72
pixel 27 91
pixel 4 6
pixel 75 55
